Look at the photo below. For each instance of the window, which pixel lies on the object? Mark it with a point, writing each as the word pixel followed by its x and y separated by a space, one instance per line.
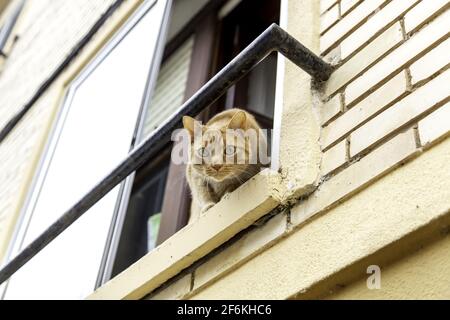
pixel 170 88
pixel 210 39
pixel 94 131
pixel 7 27
pixel 256 91
pixel 141 227
pixel 150 214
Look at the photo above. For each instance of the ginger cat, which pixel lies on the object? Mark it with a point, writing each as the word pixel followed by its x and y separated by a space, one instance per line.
pixel 210 180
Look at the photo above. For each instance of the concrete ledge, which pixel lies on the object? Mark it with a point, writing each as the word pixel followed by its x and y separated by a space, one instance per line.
pixel 212 229
pixel 249 246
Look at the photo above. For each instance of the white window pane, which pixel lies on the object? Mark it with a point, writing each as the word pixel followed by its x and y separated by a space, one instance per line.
pixel 97 126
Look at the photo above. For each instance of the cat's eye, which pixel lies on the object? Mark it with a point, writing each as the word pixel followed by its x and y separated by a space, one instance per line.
pixel 203 152
pixel 230 150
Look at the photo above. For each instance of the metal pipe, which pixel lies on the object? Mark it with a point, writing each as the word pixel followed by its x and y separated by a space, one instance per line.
pixel 272 39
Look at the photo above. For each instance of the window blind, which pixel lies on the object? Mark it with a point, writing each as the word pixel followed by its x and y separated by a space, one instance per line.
pixel 170 87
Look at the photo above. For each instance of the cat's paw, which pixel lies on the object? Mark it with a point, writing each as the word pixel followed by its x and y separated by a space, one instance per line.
pixel 207 206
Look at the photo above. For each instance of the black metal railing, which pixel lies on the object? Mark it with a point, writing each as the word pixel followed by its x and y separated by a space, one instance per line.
pixel 272 39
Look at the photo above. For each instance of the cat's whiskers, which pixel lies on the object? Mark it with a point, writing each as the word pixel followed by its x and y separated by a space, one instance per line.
pixel 241 175
pixel 242 171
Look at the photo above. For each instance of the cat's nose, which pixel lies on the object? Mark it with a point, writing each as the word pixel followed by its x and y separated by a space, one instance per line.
pixel 217 167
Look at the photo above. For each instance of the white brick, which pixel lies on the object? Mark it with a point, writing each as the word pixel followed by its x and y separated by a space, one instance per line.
pixel 376 23
pixel 424 11
pixel 357 176
pixel 334 56
pixel 329 18
pixel 400 57
pixel 334 158
pixel 357 64
pixel 374 103
pixel 348 23
pixel 435 126
pixel 404 112
pixel 347 5
pixel 326 4
pixel 432 62
pixel 331 109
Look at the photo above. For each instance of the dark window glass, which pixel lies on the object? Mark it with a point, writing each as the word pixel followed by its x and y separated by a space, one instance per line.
pixel 141 226
pixel 255 93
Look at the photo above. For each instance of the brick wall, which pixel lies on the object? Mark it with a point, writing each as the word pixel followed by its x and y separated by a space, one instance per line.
pixel 47 30
pixel 388 99
pixel 391 80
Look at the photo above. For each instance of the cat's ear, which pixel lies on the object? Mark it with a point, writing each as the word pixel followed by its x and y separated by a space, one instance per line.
pixel 188 124
pixel 238 121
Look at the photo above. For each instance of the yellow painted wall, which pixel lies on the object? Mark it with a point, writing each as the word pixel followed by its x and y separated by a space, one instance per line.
pixel 339 245
pixel 424 274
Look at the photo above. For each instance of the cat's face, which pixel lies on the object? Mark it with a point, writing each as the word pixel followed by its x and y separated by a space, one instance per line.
pixel 219 158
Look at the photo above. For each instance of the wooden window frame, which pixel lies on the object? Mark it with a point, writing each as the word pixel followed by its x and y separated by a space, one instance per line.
pixel 206 60
pixel 231 44
pixel 177 200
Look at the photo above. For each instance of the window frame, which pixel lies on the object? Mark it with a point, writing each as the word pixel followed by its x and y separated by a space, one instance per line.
pixel 110 252
pixel 176 203
pixel 264 192
pixel 176 196
pixel 140 182
pixel 75 75
pixel 204 27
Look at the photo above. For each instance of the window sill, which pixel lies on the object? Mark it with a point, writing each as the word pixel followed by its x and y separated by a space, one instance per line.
pixel 232 214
